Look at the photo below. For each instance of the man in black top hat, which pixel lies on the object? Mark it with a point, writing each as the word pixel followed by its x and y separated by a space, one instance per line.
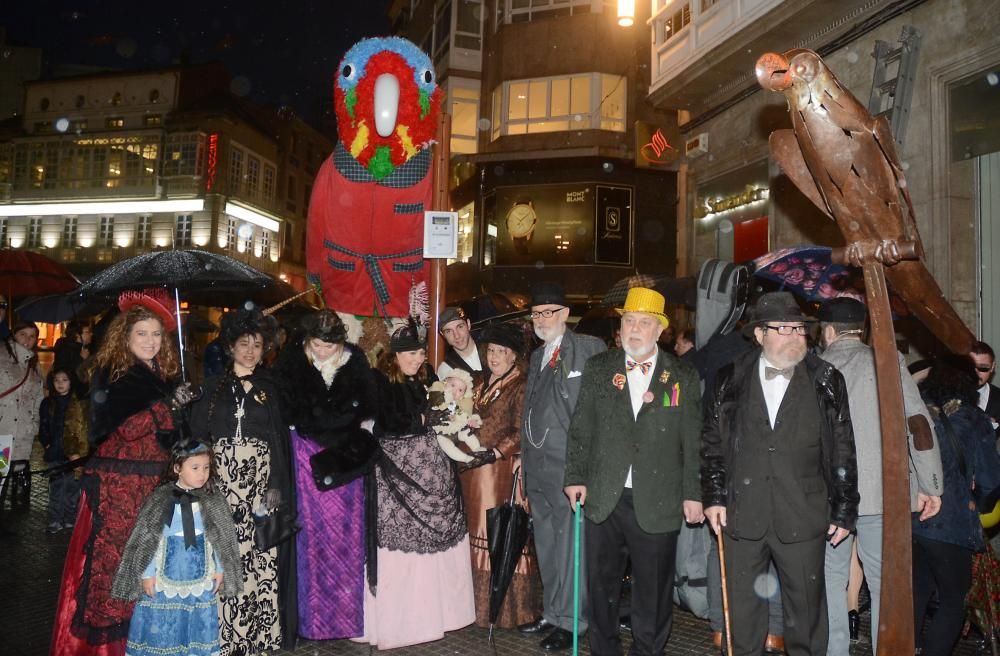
pixel 554 375
pixel 779 476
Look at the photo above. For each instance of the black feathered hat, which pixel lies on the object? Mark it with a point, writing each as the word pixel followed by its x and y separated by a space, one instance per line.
pixel 247 321
pixel 408 337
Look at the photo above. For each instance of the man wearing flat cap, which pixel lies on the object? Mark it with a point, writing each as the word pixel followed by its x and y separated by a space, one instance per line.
pixel 554 376
pixel 633 462
pixel 842 322
pixel 779 476
pixel 462 352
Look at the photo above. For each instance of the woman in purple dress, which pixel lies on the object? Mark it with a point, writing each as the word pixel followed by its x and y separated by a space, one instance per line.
pixel 327 393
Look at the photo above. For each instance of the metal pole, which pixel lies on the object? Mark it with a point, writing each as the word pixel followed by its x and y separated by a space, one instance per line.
pixel 440 201
pixel 180 332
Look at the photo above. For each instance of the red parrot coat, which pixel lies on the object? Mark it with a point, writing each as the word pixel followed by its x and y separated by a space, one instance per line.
pixel 364 243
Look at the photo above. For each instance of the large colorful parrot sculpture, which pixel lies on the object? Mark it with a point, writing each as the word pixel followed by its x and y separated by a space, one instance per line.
pixel 364 238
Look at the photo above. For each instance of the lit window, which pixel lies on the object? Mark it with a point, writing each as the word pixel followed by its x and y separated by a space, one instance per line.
pixel 677 21
pixel 236 171
pixel 34 232
pixel 114 122
pixel 152 120
pixel 267 190
pixel 464 119
pixel 587 101
pixel 252 177
pixel 231 235
pixel 469 24
pixel 265 243
pixel 523 11
pixel 143 232
pixel 3 234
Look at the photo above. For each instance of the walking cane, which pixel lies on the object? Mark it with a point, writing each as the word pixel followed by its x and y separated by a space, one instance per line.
pixel 725 591
pixel 577 520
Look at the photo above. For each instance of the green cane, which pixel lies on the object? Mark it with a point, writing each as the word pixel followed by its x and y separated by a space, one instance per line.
pixel 576 579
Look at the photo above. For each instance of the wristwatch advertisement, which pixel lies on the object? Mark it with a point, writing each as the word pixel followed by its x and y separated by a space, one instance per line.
pixel 521 222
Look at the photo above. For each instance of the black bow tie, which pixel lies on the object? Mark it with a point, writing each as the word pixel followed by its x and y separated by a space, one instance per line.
pixel 185 499
pixel 770 373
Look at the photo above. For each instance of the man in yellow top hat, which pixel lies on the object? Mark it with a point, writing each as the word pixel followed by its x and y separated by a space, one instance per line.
pixel 632 460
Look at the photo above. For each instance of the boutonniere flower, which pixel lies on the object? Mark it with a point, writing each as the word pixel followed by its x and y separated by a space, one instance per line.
pixel 647 397
pixel 664 377
pixel 260 397
pixel 619 381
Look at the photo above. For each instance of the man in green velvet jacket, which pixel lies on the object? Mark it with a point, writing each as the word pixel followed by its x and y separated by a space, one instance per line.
pixel 633 461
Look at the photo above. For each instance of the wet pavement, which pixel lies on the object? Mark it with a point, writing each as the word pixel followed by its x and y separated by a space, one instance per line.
pixel 31 567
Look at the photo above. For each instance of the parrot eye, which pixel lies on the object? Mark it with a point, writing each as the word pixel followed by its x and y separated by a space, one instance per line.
pixel 427 76
pixel 347 71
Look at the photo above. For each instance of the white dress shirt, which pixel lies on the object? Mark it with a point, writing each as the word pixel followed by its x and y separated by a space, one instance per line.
pixel 774 389
pixel 472 360
pixel 984 396
pixel 550 348
pixel 638 385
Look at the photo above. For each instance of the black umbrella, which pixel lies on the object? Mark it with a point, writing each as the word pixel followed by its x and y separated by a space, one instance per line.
pixel 507 530
pixel 204 278
pixel 57 308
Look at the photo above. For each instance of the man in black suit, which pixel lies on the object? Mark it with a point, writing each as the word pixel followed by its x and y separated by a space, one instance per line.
pixel 779 476
pixel 989 394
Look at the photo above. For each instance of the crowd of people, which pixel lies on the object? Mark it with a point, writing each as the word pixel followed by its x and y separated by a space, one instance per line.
pixel 307 492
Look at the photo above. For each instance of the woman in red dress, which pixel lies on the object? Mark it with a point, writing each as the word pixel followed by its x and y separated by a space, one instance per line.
pixel 135 404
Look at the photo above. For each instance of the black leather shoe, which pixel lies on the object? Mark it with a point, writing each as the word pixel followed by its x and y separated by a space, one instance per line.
pixel 625 623
pixel 538 626
pixel 558 640
pixel 853 622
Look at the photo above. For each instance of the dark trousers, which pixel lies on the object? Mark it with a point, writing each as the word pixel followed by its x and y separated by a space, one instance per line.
pixel 946 568
pixel 803 593
pixel 64 498
pixel 609 546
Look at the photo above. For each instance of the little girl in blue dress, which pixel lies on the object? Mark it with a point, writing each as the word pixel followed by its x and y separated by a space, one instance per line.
pixel 182 552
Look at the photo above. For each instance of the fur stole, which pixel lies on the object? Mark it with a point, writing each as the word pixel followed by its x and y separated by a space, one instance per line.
pixel 141 547
pixel 319 411
pixel 401 406
pixel 111 404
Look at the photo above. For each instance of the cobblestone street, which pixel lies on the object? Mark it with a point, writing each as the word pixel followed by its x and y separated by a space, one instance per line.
pixel 32 568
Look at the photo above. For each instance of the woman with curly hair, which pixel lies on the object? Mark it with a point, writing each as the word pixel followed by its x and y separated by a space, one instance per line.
pixel 21 392
pixel 135 407
pixel 239 415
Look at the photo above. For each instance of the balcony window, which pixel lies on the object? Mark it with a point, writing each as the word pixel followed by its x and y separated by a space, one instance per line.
pixel 3 234
pixel 143 231
pixel 106 232
pixel 182 231
pixel 114 122
pixel 265 244
pixel 252 177
pixel 34 232
pixel 267 190
pixel 573 102
pixel 236 171
pixel 442 29
pixel 676 22
pixel 69 232
pixel 231 227
pixel 152 120
pixel 184 153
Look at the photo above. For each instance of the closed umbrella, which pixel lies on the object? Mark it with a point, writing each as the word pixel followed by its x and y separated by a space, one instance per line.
pixel 507 529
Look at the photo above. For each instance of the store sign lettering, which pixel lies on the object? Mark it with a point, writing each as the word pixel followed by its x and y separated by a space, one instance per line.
pixel 746 197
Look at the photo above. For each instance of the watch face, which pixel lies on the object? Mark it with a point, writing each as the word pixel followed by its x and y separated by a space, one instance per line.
pixel 520 220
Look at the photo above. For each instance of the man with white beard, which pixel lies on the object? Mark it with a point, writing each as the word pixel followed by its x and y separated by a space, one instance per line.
pixel 551 391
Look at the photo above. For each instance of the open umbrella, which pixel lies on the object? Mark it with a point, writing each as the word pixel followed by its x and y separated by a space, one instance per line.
pixel 26 273
pixel 203 277
pixel 507 528
pixel 56 308
pixel 615 296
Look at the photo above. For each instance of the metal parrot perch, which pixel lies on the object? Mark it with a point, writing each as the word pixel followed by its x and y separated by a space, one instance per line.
pixel 844 160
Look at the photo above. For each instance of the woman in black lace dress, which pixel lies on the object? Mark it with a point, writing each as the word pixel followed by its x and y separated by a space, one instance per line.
pixel 239 414
pixel 424 578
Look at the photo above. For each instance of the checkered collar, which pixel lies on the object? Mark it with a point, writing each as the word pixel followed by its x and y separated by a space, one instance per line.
pixel 406 175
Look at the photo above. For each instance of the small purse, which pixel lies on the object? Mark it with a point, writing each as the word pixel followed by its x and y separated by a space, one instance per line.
pixel 272 529
pixel 354 455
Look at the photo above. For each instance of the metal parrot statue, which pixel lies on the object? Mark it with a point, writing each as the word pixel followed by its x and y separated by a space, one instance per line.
pixel 364 238
pixel 844 160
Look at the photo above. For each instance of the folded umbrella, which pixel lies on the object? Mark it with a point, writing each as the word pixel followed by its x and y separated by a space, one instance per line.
pixel 507 529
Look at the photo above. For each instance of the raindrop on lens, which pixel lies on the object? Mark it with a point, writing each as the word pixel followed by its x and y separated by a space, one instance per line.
pixel 608 167
pixel 62 124
pixel 240 85
pixel 248 306
pixel 765 586
pixel 484 124
pixel 855 226
pixel 540 264
pixel 852 57
pixel 100 396
pixel 992 79
pixel 125 48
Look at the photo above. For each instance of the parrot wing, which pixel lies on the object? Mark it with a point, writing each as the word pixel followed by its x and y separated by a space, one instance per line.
pixel 786 151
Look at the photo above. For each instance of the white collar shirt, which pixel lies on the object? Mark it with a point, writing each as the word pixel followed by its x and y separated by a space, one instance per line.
pixel 638 385
pixel 774 389
pixel 550 348
pixel 984 396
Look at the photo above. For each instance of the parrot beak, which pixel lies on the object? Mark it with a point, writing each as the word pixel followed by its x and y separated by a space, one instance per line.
pixel 386 104
pixel 772 72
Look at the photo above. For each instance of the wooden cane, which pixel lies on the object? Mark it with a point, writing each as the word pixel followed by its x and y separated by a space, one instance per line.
pixel 725 591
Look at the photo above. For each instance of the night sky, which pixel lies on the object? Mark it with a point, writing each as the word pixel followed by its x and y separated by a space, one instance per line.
pixel 280 53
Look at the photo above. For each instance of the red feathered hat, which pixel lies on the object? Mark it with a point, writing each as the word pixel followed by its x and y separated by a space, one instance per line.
pixel 156 300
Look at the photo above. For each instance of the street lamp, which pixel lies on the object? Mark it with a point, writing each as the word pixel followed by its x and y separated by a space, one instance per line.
pixel 626 12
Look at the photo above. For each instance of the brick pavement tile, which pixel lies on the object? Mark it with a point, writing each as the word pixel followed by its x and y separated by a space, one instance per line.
pixel 32 566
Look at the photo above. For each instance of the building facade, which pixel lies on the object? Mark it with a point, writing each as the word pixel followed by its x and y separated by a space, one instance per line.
pixel 561 167
pixel 735 203
pixel 111 165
